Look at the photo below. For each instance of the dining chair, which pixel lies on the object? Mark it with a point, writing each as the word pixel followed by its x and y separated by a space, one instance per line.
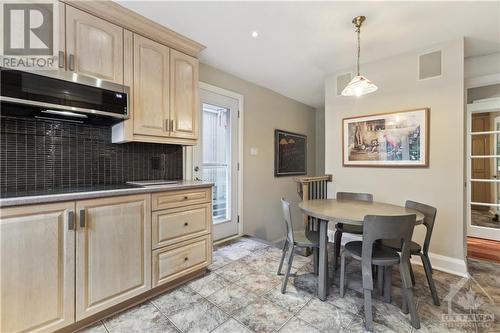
pixel 347 228
pixel 372 252
pixel 415 248
pixel 294 239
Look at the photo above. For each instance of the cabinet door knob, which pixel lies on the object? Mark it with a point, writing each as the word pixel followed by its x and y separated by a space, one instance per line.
pixel 186 197
pixel 186 224
pixel 186 259
pixel 82 218
pixel 71 220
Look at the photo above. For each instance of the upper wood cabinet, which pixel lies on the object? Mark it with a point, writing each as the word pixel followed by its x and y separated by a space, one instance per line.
pixel 94 46
pixel 113 251
pixel 151 87
pixel 183 95
pixel 38 262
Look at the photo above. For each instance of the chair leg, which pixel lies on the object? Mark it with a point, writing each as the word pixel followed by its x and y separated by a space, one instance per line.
pixel 336 248
pixel 387 284
pixel 380 279
pixel 408 293
pixel 283 256
pixel 411 274
pixel 287 274
pixel 342 274
pixel 428 273
pixel 368 309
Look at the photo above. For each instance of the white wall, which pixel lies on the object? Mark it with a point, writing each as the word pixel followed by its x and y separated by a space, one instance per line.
pixel 320 141
pixel 441 184
pixel 482 65
pixel 265 111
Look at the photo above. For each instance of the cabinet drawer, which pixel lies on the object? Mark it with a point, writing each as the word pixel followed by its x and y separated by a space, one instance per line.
pixel 172 262
pixel 181 198
pixel 178 224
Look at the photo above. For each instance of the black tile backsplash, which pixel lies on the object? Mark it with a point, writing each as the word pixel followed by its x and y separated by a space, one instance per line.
pixel 38 155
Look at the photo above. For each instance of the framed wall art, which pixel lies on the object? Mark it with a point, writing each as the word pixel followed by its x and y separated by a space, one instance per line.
pixel 290 154
pixel 395 139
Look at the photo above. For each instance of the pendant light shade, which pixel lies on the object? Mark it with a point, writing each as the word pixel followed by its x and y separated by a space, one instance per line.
pixel 359 85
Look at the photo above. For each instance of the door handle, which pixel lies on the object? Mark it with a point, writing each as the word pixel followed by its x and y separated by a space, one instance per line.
pixel 71 220
pixel 61 59
pixel 82 218
pixel 71 63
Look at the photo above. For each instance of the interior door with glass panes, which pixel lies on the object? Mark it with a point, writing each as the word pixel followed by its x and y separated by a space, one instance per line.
pixel 215 159
pixel 483 169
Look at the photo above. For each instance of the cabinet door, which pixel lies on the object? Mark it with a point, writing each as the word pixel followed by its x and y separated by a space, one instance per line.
pixel 37 277
pixel 183 95
pixel 113 252
pixel 94 46
pixel 151 87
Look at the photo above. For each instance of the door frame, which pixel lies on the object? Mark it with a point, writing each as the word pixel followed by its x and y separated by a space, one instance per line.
pixel 475 82
pixel 188 151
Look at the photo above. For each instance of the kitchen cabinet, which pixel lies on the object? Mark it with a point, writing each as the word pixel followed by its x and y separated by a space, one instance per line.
pixel 38 260
pixel 151 88
pixel 184 104
pixel 94 46
pixel 113 251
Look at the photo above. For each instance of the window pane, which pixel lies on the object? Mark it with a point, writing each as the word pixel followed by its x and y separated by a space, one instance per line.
pixel 485 216
pixel 485 192
pixel 485 144
pixel 485 168
pixel 484 121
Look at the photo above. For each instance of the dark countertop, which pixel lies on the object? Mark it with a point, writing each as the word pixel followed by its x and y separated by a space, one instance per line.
pixel 89 192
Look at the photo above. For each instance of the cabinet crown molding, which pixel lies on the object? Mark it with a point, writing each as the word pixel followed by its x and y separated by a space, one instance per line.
pixel 125 18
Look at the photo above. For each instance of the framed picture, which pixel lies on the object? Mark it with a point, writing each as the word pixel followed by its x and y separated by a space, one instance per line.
pixel 396 139
pixel 290 153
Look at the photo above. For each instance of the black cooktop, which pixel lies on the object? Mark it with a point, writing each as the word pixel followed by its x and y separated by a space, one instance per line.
pixel 76 189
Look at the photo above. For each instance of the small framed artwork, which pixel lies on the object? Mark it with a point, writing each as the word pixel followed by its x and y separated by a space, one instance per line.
pixel 395 139
pixel 290 154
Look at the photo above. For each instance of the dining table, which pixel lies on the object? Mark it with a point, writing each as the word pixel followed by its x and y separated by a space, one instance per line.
pixel 347 212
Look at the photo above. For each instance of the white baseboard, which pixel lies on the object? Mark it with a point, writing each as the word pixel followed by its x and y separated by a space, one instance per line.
pixel 439 262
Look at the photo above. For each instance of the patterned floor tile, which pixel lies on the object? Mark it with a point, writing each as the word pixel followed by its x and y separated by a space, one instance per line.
pixel 232 298
pixel 208 284
pixel 263 316
pixel 231 326
pixel 295 325
pixel 176 300
pixel 325 316
pixel 94 328
pixel 259 282
pixel 138 319
pixel 293 300
pixel 200 317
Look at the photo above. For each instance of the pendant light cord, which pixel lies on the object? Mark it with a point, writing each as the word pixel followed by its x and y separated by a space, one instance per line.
pixel 358 30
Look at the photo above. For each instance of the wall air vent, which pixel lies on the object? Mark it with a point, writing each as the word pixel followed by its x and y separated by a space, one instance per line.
pixel 342 81
pixel 430 65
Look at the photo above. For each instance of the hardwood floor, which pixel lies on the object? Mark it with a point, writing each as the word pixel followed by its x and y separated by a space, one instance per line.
pixel 479 248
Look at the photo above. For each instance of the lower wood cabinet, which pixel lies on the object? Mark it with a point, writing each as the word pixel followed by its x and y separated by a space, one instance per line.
pixel 172 262
pixel 113 252
pixel 37 246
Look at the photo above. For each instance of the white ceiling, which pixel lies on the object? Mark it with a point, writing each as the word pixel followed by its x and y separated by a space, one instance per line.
pixel 300 43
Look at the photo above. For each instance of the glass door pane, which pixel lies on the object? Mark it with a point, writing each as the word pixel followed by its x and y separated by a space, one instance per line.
pixel 215 164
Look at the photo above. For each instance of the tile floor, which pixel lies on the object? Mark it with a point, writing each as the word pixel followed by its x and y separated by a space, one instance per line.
pixel 241 293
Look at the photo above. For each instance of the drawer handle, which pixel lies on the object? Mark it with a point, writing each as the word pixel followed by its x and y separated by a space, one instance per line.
pixel 186 197
pixel 186 259
pixel 186 224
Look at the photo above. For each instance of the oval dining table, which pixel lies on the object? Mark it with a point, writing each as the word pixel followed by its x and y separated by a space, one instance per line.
pixel 346 212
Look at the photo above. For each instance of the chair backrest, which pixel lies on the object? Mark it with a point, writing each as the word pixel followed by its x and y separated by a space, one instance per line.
pixel 376 227
pixel 429 219
pixel 355 196
pixel 285 206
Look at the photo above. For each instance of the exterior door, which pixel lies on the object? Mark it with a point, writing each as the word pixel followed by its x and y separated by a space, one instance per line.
pixel 483 184
pixel 151 87
pixel 183 95
pixel 215 159
pixel 37 252
pixel 113 251
pixel 94 46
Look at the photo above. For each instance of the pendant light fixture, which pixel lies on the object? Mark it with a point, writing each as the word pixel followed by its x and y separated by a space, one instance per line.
pixel 359 85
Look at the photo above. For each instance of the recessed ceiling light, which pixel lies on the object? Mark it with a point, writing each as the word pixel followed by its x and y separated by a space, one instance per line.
pixel 255 34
